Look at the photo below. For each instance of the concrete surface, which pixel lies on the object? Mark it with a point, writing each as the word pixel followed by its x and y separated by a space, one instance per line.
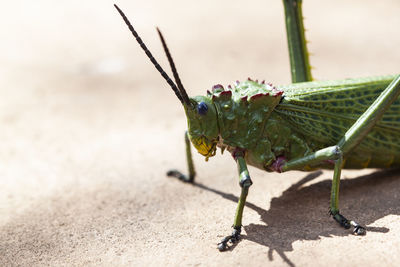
pixel 88 130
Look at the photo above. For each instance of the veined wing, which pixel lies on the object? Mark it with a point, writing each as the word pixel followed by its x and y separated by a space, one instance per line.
pixel 324 111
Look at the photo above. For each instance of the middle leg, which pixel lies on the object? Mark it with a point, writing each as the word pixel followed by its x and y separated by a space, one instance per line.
pixel 245 183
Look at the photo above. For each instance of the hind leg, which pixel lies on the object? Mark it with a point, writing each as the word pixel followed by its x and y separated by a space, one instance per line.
pixel 349 141
pixel 297 45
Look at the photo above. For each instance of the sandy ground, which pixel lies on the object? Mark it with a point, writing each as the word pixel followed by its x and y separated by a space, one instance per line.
pixel 88 130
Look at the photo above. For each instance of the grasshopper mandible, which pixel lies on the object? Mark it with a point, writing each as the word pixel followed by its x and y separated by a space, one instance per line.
pixel 352 123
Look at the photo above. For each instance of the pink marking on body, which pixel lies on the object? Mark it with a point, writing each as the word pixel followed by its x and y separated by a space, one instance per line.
pixel 226 93
pixel 276 166
pixel 217 86
pixel 238 152
pixel 230 86
pixel 330 161
pixel 258 96
pixel 263 82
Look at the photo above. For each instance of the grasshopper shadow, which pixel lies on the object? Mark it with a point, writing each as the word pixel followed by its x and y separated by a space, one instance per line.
pixel 301 212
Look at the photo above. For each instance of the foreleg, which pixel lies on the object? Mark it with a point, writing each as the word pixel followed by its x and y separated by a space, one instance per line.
pixel 192 173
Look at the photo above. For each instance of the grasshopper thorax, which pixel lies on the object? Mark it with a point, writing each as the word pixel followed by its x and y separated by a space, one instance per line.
pixel 231 118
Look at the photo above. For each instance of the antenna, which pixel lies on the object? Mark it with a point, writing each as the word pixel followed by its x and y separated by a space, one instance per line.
pixel 173 68
pixel 149 55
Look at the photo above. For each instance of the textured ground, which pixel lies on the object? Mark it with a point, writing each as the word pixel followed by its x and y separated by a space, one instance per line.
pixel 88 130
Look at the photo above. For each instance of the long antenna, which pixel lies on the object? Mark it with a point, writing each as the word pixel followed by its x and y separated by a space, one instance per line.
pixel 149 55
pixel 173 68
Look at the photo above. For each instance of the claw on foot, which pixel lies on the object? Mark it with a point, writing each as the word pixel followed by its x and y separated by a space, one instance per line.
pixel 180 176
pixel 358 229
pixel 233 238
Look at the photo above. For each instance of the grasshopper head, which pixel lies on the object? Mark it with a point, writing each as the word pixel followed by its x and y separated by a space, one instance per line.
pixel 203 125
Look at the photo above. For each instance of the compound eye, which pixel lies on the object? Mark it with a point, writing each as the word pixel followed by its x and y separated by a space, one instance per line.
pixel 202 108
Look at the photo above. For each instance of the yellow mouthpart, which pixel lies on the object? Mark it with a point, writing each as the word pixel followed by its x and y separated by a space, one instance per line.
pixel 205 147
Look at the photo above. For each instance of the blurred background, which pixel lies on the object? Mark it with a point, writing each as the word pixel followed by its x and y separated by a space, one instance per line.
pixel 88 127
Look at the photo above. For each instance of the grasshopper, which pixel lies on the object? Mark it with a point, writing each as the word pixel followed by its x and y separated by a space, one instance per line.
pixel 307 125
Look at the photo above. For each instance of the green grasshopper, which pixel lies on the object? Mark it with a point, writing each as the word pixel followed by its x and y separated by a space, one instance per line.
pixel 352 123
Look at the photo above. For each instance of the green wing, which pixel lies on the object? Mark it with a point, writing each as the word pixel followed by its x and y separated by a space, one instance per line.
pixel 323 111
